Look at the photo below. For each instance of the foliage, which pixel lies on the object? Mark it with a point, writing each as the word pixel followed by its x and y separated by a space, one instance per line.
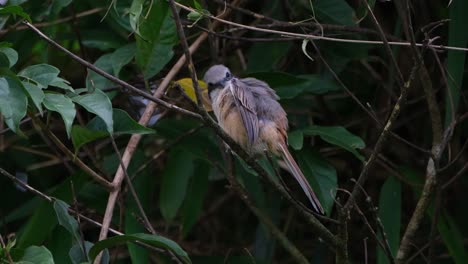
pixel 64 129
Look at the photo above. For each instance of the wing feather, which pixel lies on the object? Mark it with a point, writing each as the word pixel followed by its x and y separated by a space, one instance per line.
pixel 245 103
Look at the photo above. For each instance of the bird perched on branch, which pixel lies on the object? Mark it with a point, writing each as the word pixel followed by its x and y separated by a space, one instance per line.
pixel 248 111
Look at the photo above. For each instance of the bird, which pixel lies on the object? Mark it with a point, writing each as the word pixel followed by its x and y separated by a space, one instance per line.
pixel 248 111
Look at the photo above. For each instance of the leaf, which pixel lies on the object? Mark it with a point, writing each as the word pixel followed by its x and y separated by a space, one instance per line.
pixel 35 93
pixel 123 124
pixel 458 37
pixel 62 84
pixel 452 237
pixel 96 81
pixel 65 220
pixel 97 103
pixel 134 15
pixel 390 215
pixel 304 48
pixel 198 186
pixel 58 5
pixel 42 74
pixel 144 185
pixel 15 10
pixel 81 136
pixel 334 11
pixel 175 179
pixel 157 37
pixel 64 106
pixel 37 255
pixel 10 54
pixel 122 56
pixel 296 139
pixel 288 86
pixel 13 101
pixel 257 61
pixel 187 86
pixel 101 39
pixel 338 136
pixel 321 176
pixel 77 257
pixel 96 129
pixel 153 240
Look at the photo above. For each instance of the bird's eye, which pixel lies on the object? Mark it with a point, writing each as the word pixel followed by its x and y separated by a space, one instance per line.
pixel 228 75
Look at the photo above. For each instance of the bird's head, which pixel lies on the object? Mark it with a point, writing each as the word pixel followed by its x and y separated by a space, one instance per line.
pixel 216 77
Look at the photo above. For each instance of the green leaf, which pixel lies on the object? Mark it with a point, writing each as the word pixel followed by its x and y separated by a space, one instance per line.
pixel 390 215
pixel 65 220
pixel 35 93
pixel 37 255
pixel 194 16
pixel 15 10
pixel 458 37
pixel 334 11
pixel 97 103
pixel 40 225
pixel 96 81
pixel 122 56
pixel 10 54
pixel 338 136
pixel 296 139
pixel 62 84
pixel 81 136
pixel 452 237
pixel 77 256
pixel 288 86
pixel 257 61
pixel 101 39
pixel 58 5
pixel 123 124
pixel 153 240
pixel 144 186
pixel 321 176
pixel 42 74
pixel 157 37
pixel 175 179
pixel 13 101
pixel 134 15
pixel 64 106
pixel 198 186
pixel 97 128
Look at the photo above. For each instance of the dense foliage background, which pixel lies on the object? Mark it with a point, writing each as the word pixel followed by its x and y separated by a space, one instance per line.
pixel 377 110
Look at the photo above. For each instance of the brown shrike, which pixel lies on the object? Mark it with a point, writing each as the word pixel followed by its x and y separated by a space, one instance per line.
pixel 248 110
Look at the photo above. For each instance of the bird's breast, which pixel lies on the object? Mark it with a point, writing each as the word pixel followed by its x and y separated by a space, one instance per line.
pixel 229 118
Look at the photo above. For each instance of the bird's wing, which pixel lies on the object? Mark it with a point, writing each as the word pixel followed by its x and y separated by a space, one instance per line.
pixel 245 103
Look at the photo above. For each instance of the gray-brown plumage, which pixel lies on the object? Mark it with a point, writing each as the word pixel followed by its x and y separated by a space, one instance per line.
pixel 248 111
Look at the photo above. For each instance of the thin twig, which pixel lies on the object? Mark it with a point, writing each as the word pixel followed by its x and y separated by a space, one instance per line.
pixel 111 77
pixel 319 37
pixel 56 22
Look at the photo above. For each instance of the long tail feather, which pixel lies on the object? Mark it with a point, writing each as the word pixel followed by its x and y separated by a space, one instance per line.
pixel 301 179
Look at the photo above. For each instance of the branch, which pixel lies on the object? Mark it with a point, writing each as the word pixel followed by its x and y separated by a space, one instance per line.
pixel 135 139
pixel 330 239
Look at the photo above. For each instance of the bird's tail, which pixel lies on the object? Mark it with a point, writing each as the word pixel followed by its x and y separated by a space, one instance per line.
pixel 300 178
